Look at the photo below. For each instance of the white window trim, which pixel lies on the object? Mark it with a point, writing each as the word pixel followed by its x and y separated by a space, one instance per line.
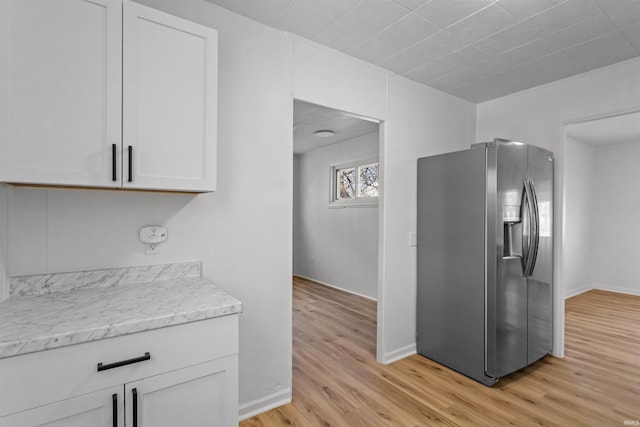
pixel 358 202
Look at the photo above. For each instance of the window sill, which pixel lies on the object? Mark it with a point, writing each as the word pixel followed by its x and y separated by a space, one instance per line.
pixel 367 203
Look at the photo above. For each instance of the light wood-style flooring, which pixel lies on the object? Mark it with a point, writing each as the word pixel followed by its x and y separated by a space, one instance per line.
pixel 337 381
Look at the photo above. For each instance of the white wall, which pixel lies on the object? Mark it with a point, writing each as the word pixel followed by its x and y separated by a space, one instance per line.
pixel 422 122
pixel 242 234
pixel 338 247
pixel 3 243
pixel 616 230
pixel 538 116
pixel 326 77
pixel 580 201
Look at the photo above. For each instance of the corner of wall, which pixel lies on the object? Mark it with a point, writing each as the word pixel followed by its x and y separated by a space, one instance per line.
pixel 577 291
pixel 264 404
pixel 399 353
pixel 476 128
pixel 296 212
pixel 4 291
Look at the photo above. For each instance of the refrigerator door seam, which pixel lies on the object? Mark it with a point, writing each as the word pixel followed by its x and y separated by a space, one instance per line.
pixel 486 217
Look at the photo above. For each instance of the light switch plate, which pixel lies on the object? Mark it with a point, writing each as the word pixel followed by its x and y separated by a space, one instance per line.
pixel 413 238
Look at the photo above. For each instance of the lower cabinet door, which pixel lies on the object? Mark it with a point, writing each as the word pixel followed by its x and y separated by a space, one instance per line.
pixel 202 395
pixel 101 408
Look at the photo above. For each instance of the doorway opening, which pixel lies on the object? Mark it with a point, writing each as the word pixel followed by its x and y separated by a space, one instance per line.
pixel 600 205
pixel 336 189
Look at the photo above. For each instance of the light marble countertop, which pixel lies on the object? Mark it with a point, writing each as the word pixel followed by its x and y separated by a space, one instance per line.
pixel 30 323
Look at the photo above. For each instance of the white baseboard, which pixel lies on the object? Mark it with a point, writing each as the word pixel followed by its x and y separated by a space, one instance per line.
pixel 618 289
pixel 574 292
pixel 264 404
pixel 399 353
pixel 602 287
pixel 338 288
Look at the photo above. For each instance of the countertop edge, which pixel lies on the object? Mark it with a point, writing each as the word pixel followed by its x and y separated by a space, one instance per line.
pixel 20 347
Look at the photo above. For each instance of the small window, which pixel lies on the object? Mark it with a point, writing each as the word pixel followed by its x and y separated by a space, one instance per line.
pixel 354 183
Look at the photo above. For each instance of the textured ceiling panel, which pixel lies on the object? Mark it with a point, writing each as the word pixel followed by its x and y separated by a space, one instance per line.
pixel 309 118
pixel 475 49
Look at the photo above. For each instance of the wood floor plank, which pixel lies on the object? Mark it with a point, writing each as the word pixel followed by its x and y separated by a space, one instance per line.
pixel 337 381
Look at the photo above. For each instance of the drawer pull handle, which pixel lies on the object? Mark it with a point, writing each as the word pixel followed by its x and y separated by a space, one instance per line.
pixel 102 367
pixel 114 400
pixel 130 163
pixel 135 407
pixel 114 169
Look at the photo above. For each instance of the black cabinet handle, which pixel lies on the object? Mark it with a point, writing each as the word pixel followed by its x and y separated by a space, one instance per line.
pixel 130 163
pixel 114 400
pixel 114 171
pixel 102 367
pixel 135 407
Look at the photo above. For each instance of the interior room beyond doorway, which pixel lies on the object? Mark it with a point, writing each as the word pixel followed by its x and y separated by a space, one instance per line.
pixel 335 206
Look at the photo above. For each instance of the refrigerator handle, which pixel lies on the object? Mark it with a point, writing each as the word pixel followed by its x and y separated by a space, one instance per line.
pixel 536 228
pixel 527 229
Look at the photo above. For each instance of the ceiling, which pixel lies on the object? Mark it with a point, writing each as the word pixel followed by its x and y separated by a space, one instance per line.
pixel 610 130
pixel 474 49
pixel 309 118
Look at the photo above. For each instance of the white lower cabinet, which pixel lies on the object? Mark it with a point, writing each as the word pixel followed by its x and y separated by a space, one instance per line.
pixel 194 396
pixel 184 375
pixel 98 409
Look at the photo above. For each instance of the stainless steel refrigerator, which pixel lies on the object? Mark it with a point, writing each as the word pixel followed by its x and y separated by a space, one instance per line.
pixel 485 258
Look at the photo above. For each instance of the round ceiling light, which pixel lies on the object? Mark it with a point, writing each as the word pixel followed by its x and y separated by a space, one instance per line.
pixel 324 133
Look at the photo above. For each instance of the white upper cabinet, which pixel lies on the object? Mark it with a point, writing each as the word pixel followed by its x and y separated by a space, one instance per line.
pixel 169 101
pixel 106 93
pixel 60 97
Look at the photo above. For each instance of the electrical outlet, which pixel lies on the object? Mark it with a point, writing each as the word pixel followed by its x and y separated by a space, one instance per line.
pixel 152 249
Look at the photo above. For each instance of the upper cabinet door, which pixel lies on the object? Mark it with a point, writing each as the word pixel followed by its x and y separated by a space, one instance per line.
pixel 60 91
pixel 169 101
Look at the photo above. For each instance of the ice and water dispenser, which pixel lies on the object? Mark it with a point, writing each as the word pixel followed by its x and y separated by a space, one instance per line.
pixel 512 222
pixel 512 231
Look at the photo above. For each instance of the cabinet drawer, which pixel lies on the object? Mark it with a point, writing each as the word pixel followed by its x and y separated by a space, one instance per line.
pixel 47 376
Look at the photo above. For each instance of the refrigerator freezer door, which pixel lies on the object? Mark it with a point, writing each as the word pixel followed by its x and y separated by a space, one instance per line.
pixel 450 260
pixel 506 286
pixel 539 287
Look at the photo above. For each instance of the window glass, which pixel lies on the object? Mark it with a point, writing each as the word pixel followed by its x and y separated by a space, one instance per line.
pixel 368 180
pixel 345 183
